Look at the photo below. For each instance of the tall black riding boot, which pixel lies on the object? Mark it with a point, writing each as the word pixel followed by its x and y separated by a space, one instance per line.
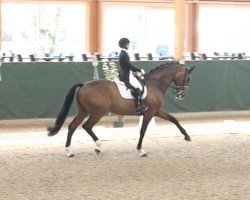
pixel 140 107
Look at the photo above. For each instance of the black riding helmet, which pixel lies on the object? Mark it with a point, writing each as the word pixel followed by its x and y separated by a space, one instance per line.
pixel 123 41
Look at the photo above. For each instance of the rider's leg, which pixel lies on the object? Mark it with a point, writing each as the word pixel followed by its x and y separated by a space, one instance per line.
pixel 136 94
pixel 134 82
pixel 140 107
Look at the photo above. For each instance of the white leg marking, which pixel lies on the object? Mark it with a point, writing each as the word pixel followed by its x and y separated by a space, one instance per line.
pixel 98 143
pixel 142 152
pixel 69 152
pixel 98 147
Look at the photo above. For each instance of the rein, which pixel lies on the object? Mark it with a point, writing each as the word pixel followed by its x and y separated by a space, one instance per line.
pixel 184 85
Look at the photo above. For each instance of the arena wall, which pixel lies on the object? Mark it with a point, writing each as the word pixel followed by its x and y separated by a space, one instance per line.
pixel 37 90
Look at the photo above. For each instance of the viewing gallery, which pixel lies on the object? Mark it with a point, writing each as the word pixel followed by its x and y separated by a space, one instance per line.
pixel 162 28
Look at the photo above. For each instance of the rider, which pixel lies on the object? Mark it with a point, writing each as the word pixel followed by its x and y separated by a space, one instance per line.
pixel 126 75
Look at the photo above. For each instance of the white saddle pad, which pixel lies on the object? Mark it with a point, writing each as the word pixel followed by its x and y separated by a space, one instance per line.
pixel 126 94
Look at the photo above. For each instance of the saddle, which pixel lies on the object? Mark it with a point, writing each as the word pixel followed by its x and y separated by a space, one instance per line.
pixel 126 93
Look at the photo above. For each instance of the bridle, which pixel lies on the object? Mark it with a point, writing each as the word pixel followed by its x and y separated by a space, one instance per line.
pixel 184 84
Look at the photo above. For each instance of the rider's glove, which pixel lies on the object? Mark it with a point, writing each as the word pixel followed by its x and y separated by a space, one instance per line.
pixel 142 71
pixel 139 74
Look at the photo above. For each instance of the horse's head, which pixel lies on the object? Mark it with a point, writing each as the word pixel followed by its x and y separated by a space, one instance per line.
pixel 181 80
pixel 176 72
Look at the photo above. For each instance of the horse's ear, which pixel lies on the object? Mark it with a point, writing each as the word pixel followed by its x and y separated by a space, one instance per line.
pixel 191 69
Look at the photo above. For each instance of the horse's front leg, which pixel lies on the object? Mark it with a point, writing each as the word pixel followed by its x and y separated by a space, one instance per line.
pixel 172 119
pixel 145 122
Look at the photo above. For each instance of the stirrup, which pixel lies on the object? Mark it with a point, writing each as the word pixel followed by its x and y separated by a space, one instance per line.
pixel 141 109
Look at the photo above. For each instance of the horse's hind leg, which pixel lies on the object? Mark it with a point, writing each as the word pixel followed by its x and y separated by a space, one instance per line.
pixel 88 126
pixel 71 129
pixel 172 119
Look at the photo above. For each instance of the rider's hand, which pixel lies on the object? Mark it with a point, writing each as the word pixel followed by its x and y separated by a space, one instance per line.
pixel 139 74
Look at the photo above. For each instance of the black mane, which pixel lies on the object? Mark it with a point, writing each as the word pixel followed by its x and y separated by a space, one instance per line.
pixel 164 65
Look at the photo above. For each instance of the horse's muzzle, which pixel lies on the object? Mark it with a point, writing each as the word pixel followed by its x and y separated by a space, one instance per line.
pixel 182 93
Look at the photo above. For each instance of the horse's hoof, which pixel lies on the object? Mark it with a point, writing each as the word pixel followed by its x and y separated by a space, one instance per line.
pixel 97 151
pixel 142 153
pixel 188 138
pixel 69 152
pixel 71 155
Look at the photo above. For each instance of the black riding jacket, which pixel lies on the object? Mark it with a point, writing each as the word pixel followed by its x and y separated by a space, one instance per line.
pixel 125 67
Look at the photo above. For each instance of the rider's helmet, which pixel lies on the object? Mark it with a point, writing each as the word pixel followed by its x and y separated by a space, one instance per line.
pixel 123 41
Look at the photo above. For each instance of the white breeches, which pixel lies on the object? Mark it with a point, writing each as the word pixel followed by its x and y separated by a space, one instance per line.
pixel 134 82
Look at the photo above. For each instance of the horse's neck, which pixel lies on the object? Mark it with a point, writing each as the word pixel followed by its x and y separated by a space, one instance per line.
pixel 162 85
pixel 162 76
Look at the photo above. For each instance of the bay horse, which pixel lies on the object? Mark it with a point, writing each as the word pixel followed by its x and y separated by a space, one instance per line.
pixel 96 98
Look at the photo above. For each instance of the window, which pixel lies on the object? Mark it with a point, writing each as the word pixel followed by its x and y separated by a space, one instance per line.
pixel 150 29
pixel 43 28
pixel 224 29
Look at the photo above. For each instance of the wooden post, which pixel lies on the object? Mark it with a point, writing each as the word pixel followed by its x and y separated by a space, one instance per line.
pixel 94 26
pixel 179 28
pixel 192 27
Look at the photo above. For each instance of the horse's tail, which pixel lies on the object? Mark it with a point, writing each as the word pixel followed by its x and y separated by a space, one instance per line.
pixel 64 110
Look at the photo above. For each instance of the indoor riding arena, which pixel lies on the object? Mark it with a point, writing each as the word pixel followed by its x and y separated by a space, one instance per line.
pixel 59 66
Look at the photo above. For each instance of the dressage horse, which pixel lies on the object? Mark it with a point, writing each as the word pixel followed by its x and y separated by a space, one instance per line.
pixel 96 98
